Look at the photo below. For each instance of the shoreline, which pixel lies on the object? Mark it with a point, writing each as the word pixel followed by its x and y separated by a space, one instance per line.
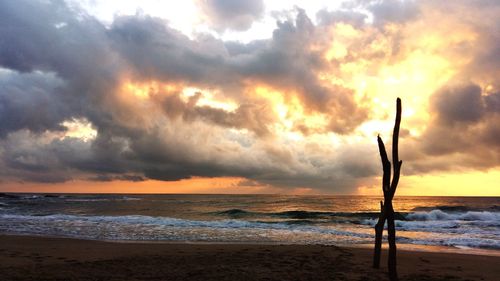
pixel 401 247
pixel 45 258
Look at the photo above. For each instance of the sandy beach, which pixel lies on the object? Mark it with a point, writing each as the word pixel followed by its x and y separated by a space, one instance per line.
pixel 42 258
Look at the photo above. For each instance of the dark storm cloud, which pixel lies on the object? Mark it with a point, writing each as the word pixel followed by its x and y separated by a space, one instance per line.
pixel 232 14
pixel 464 132
pixel 49 36
pixel 27 102
pixel 133 178
pixel 53 43
pixel 492 102
pixel 60 68
pixel 27 158
pixel 157 51
pixel 63 64
pixel 461 104
pixel 73 65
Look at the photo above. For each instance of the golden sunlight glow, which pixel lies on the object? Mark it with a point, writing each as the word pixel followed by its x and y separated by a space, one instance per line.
pixel 144 90
pixel 377 73
pixel 413 79
pixel 299 102
pixel 219 185
pixel 475 183
pixel 208 98
pixel 79 128
pixel 291 113
pixel 140 92
pixel 420 69
pixel 342 34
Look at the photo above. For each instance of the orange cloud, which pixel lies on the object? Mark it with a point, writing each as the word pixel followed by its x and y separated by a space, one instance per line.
pixel 219 185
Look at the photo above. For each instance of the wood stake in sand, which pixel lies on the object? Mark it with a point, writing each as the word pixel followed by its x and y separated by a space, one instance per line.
pixel 389 188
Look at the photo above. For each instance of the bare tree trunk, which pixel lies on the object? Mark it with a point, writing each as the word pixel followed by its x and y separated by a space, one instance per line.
pixel 386 181
pixel 389 188
pixel 379 229
pixel 391 228
pixel 391 237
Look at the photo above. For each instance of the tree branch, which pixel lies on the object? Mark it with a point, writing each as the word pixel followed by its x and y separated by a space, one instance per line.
pixel 386 166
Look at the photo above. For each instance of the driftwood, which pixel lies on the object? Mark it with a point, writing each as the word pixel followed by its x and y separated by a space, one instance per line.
pixel 379 229
pixel 389 188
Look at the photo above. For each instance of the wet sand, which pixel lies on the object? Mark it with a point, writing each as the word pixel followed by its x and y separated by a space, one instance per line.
pixel 42 258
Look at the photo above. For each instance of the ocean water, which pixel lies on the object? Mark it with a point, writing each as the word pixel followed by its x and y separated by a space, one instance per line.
pixel 464 224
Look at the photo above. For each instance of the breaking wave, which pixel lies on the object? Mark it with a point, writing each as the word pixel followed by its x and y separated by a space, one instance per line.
pixel 472 223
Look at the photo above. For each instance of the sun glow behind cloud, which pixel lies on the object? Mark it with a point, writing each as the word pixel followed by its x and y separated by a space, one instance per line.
pixel 420 68
pixel 80 129
pixel 291 98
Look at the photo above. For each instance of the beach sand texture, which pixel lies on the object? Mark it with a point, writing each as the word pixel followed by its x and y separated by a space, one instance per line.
pixel 42 258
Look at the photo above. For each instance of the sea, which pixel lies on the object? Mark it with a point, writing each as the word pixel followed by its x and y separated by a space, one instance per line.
pixel 456 224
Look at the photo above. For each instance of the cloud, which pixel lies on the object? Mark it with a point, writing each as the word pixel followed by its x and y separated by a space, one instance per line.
pixel 27 102
pixel 463 133
pixel 287 111
pixel 458 105
pixel 394 11
pixel 237 15
pixel 463 130
pixel 285 62
pixel 353 18
pixel 29 156
pixel 252 117
pixel 381 11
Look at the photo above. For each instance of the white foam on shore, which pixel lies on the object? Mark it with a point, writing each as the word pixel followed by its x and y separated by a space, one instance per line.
pixel 446 230
pixel 61 222
pixel 435 215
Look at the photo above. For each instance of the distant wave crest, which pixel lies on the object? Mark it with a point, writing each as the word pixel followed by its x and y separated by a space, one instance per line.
pixel 465 216
pixel 299 214
pixel 458 208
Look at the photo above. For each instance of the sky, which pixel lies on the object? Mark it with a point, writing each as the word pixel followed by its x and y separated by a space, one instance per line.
pixel 232 96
